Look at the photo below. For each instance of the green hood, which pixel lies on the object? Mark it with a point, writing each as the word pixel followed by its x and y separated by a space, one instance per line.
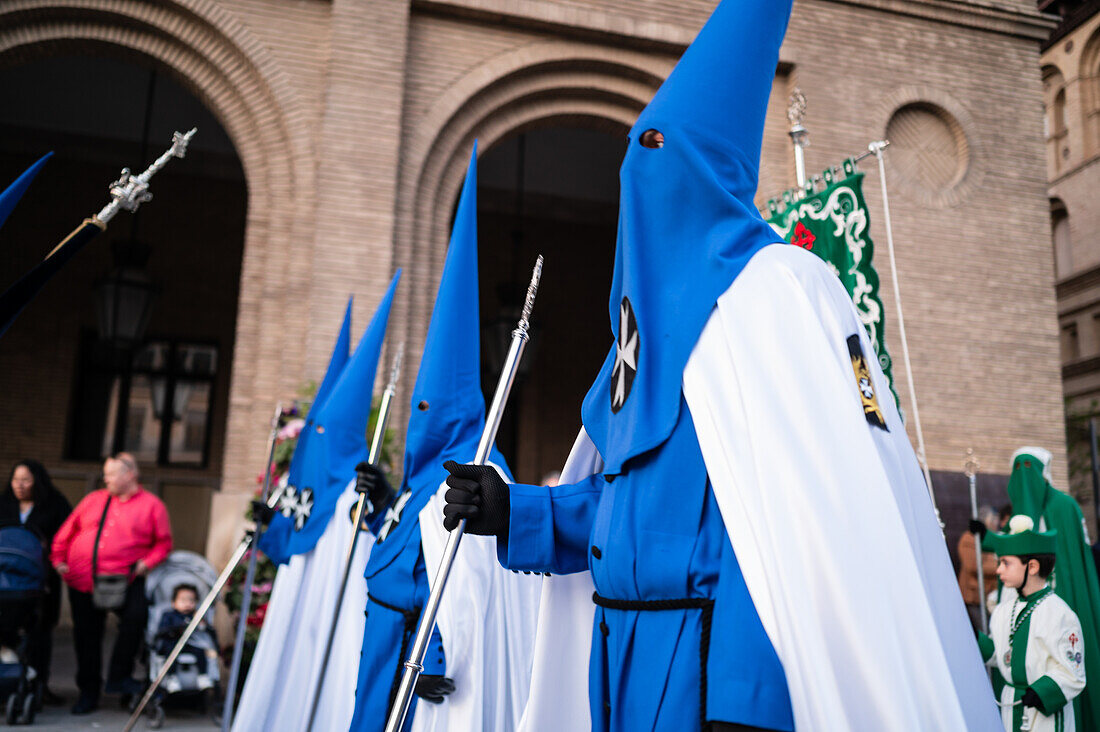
pixel 1028 486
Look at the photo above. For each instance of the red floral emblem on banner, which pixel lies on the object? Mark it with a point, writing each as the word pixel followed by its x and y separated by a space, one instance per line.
pixel 803 237
pixel 1073 639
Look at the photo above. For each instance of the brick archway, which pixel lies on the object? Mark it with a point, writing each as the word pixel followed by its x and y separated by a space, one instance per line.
pixel 535 86
pixel 209 52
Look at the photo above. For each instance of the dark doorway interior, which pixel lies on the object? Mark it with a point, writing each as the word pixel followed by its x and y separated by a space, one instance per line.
pixel 70 399
pixel 552 191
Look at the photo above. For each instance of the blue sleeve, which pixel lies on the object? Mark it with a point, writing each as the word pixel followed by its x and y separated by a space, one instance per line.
pixel 549 527
pixel 435 662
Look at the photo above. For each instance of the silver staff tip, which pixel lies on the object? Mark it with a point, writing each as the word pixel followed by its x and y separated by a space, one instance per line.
pixel 532 289
pixel 180 141
pixel 395 371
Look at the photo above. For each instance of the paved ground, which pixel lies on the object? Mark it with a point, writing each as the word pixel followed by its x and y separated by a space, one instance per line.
pixel 109 716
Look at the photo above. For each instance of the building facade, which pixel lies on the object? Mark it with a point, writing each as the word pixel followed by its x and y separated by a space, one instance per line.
pixel 1071 99
pixel 339 134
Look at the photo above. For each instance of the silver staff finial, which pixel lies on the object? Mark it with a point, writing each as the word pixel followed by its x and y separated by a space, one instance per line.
pixel 796 108
pixel 529 303
pixel 130 191
pixel 396 370
pixel 971 466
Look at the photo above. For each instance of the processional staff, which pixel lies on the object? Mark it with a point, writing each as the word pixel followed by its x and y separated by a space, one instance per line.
pixel 415 664
pixel 972 466
pixel 374 458
pixel 269 499
pixel 127 193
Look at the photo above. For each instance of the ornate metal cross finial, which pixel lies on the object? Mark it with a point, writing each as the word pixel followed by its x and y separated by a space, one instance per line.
pixel 130 191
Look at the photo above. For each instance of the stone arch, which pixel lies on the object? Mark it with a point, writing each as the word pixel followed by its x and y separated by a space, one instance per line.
pixel 537 85
pixel 1089 74
pixel 214 56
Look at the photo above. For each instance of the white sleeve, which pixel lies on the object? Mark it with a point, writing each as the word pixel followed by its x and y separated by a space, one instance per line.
pixel 1065 653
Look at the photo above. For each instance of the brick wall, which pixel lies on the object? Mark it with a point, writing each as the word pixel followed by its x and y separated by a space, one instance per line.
pixel 353 120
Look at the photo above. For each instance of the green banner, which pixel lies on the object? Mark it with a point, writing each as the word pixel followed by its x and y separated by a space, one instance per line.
pixel 833 224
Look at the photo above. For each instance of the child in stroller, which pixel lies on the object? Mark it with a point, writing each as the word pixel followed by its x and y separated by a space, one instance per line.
pixel 194 656
pixel 22 584
pixel 174 589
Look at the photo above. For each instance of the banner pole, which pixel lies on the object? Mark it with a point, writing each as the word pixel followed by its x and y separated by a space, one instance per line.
pixel 877 148
pixel 800 136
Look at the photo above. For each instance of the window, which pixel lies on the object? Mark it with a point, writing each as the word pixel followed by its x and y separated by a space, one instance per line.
pixel 156 404
pixel 1071 347
pixel 1063 245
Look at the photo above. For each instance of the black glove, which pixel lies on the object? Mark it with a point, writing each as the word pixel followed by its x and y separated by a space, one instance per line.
pixel 372 481
pixel 478 494
pixel 433 688
pixel 1031 699
pixel 977 527
pixel 262 513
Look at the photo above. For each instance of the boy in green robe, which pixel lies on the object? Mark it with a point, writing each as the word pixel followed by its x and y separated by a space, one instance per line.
pixel 1036 644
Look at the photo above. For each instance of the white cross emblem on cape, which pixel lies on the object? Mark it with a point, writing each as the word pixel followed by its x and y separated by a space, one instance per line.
pixel 626 356
pixel 297 505
pixel 393 514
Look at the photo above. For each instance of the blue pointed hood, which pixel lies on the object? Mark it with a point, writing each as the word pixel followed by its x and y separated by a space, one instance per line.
pixel 273 543
pixel 447 412
pixel 339 440
pixel 19 186
pixel 687 222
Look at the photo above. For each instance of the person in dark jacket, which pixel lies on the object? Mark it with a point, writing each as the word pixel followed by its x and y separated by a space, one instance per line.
pixel 30 498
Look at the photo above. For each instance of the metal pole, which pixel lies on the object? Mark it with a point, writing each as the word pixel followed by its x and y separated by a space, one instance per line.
pixel 415 664
pixel 972 466
pixel 877 148
pixel 211 596
pixel 800 136
pixel 246 593
pixel 357 526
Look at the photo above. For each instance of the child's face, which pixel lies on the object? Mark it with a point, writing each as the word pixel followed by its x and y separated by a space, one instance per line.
pixel 185 601
pixel 1010 570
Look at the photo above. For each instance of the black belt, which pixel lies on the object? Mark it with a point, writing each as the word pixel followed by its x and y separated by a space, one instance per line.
pixel 686 603
pixel 412 617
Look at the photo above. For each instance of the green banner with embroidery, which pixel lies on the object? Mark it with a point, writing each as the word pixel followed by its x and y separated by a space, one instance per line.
pixel 833 223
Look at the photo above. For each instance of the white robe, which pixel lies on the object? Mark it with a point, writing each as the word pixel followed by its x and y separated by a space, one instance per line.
pixel 1054 649
pixel 828 515
pixel 285 667
pixel 487 621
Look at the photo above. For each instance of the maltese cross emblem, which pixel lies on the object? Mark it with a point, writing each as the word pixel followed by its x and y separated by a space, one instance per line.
pixel 626 357
pixel 297 505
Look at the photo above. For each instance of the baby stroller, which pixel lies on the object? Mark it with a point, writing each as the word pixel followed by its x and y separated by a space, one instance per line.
pixel 22 584
pixel 185 678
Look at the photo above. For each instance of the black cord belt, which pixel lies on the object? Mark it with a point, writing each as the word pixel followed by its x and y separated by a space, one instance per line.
pixel 686 603
pixel 411 619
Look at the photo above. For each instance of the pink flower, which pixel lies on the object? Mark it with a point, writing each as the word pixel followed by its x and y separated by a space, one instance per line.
pixel 291 429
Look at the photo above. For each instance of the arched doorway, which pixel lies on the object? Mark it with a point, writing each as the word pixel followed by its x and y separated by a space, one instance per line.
pixel 166 397
pixel 551 190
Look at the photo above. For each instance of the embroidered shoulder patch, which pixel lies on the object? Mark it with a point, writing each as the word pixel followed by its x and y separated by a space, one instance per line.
pixel 865 386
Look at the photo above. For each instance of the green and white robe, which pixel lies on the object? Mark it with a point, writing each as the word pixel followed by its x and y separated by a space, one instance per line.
pixel 1046 653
